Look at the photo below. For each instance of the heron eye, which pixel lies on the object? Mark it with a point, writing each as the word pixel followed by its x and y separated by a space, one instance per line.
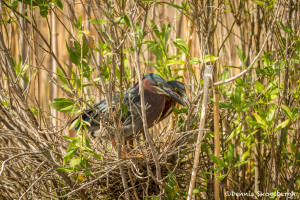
pixel 159 84
pixel 176 90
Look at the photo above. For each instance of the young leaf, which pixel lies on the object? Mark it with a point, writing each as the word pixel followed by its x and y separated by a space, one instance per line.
pixel 225 105
pixel 64 105
pixel 210 58
pixel 221 177
pixel 72 145
pixel 197 190
pixel 217 160
pixel 261 3
pixel 287 111
pixel 174 62
pixel 230 153
pixel 195 61
pixel 249 105
pixel 240 163
pixel 69 155
pixel 98 21
pixel 259 87
pixel 282 125
pixel 75 161
pixel 69 138
pixel 181 45
pixel 234 133
pixel 260 120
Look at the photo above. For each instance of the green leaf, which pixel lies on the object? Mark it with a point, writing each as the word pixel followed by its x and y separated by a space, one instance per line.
pixel 98 21
pixel 72 145
pixel 239 82
pixel 74 55
pixel 181 45
pixel 249 105
pixel 64 105
pixel 68 109
pixel 224 75
pixel 176 6
pixel 69 155
pixel 197 190
pixel 260 120
pixel 79 22
pixel 43 10
pixel 14 5
pixel 254 123
pixel 287 111
pixel 225 105
pixel 75 161
pixel 271 113
pixel 230 153
pixel 210 58
pixel 74 123
pixel 140 35
pixel 259 87
pixel 241 54
pixel 234 133
pixel 261 3
pixel 240 163
pixel 207 58
pixel 96 155
pixel 222 177
pixel 59 4
pixel 217 160
pixel 87 172
pixel 65 169
pixel 87 142
pixel 69 138
pixel 295 114
pixel 174 62
pixel 34 111
pixel 126 20
pixel 166 33
pixel 24 69
pixel 238 98
pixel 155 29
pixel 282 125
pixel 61 76
pixel 230 66
pixel 195 61
pixel 245 155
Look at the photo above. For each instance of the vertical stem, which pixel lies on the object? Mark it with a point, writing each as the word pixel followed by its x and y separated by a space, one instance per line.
pixel 207 79
pixel 53 91
pixel 285 92
pixel 217 133
pixel 257 162
pixel 22 43
pixel 257 30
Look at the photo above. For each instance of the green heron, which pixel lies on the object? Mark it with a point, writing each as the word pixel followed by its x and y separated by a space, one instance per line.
pixel 179 89
pixel 159 96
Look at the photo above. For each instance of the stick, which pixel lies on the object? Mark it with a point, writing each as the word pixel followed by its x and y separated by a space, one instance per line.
pixel 207 79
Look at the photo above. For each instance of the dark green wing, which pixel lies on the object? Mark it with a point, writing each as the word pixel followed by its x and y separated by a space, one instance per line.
pixel 101 107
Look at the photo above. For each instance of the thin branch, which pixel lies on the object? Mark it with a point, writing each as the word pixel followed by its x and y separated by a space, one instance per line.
pixel 208 77
pixel 35 182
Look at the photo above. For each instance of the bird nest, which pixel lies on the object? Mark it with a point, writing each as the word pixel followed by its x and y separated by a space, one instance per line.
pixel 35 162
pixel 137 167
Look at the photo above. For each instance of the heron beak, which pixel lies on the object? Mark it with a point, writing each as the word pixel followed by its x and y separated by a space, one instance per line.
pixel 186 99
pixel 167 91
